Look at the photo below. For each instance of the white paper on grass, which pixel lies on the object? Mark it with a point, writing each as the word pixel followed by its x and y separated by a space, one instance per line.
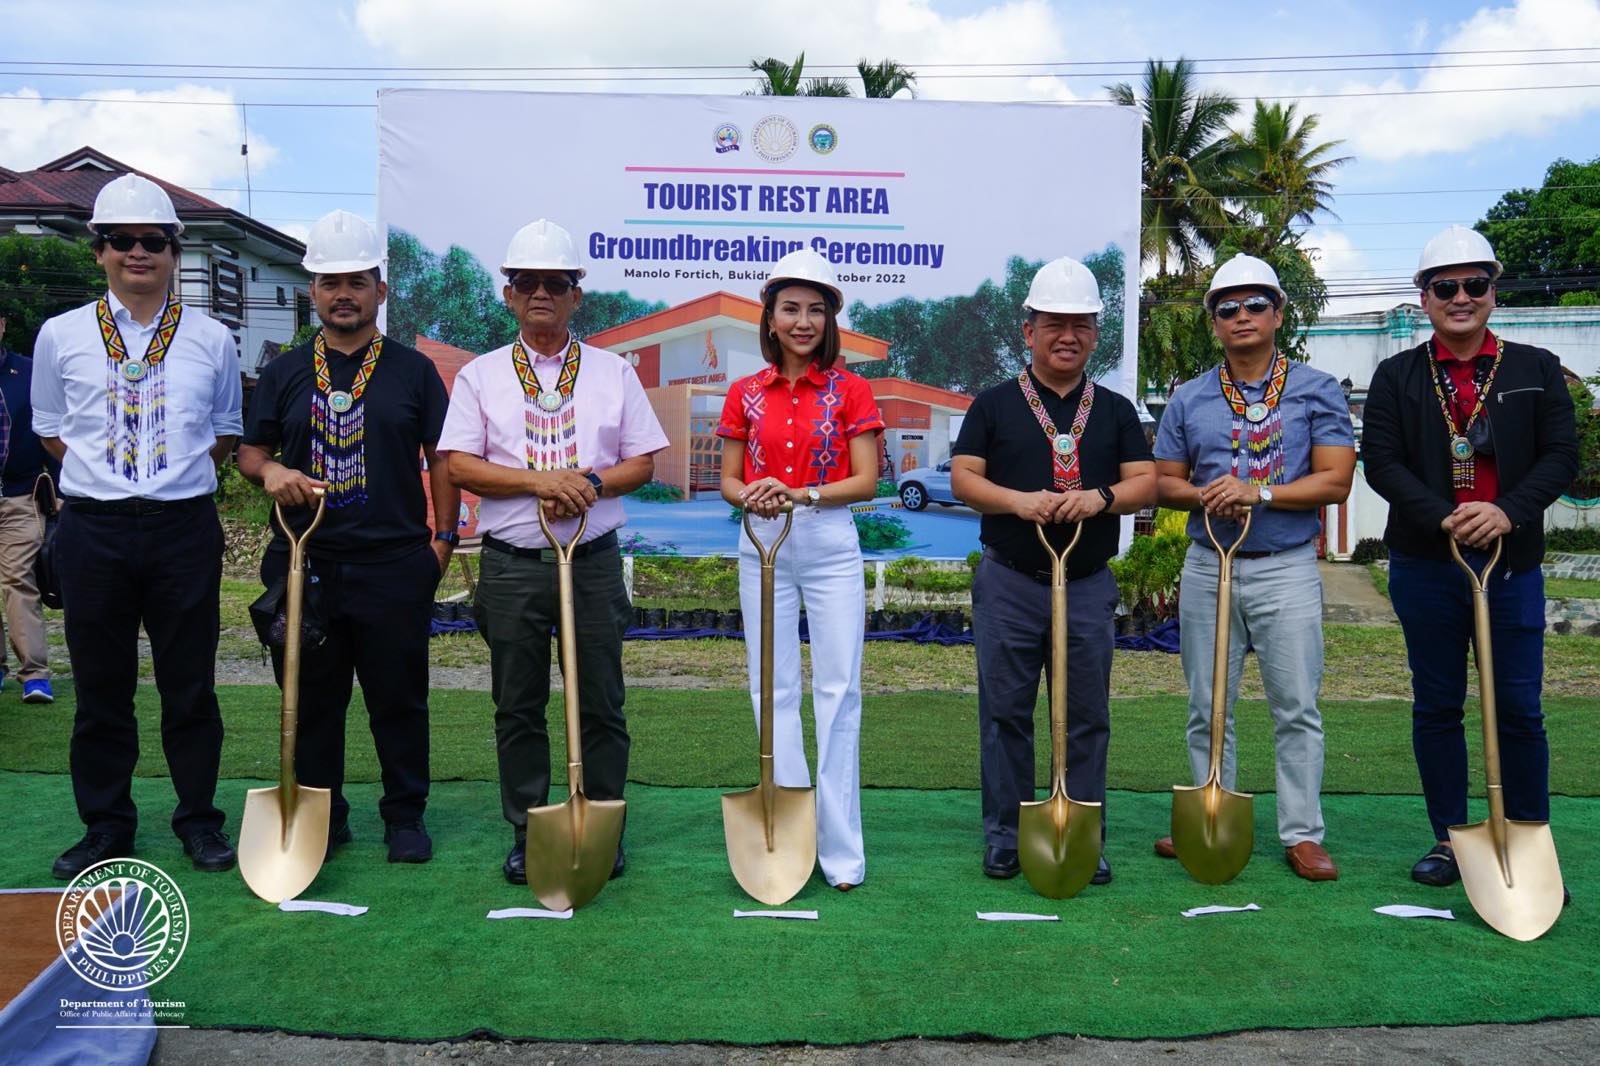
pixel 809 916
pixel 349 910
pixel 1016 916
pixel 528 912
pixel 1216 909
pixel 1406 910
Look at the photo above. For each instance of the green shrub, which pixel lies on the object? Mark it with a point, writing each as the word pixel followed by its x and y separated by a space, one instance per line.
pixel 657 492
pixel 887 487
pixel 1369 549
pixel 703 580
pixel 237 498
pixel 1582 539
pixel 973 559
pixel 1148 574
pixel 1170 521
pixel 881 532
pixel 915 572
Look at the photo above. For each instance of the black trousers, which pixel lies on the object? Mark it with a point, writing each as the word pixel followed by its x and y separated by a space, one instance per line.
pixel 377 617
pixel 164 571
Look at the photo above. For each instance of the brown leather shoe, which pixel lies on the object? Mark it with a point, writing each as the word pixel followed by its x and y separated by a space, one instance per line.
pixel 1311 861
pixel 1165 849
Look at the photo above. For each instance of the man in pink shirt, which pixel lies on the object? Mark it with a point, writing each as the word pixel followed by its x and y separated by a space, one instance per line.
pixel 548 421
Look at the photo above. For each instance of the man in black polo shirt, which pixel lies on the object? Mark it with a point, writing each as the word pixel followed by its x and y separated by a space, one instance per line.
pixel 1048 446
pixel 351 413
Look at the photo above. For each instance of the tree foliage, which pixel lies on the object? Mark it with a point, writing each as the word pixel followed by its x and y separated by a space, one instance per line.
pixel 40 277
pixel 880 80
pixel 1549 238
pixel 1283 174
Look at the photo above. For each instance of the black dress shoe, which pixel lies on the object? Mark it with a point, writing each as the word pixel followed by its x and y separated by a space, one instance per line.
pixel 1000 863
pixel 516 865
pixel 93 848
pixel 338 837
pixel 408 842
pixel 1437 868
pixel 621 865
pixel 210 850
pixel 1102 873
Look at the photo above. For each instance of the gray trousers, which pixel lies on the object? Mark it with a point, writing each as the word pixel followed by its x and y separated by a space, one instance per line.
pixel 516 609
pixel 1277 608
pixel 1011 628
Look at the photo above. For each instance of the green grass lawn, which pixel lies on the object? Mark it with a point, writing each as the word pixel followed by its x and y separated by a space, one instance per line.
pixel 1571 588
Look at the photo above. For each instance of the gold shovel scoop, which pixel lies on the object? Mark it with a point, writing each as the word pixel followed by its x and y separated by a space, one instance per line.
pixel 283 836
pixel 1508 868
pixel 572 846
pixel 1058 838
pixel 771 830
pixel 1213 828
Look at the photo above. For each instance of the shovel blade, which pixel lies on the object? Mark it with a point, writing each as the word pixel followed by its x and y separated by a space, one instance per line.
pixel 1213 831
pixel 771 875
pixel 1058 844
pixel 1529 905
pixel 279 859
pixel 572 847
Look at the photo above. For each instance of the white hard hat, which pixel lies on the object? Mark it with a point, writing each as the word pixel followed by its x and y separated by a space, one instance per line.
pixel 130 200
pixel 1244 272
pixel 808 266
pixel 1064 286
pixel 342 243
pixel 542 245
pixel 1456 246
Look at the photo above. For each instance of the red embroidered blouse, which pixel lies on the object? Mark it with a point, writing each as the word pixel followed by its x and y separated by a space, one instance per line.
pixel 799 435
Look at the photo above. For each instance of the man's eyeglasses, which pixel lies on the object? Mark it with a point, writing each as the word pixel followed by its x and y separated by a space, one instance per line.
pixel 1446 289
pixel 1256 305
pixel 528 284
pixel 154 243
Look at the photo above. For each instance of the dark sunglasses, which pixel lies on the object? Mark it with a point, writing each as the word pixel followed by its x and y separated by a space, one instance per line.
pixel 1256 305
pixel 528 284
pixel 154 243
pixel 1446 289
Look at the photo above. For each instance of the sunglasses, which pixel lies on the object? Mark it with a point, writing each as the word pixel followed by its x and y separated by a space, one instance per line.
pixel 1446 289
pixel 154 243
pixel 528 284
pixel 1256 305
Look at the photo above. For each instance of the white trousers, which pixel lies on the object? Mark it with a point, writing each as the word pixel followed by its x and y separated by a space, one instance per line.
pixel 819 564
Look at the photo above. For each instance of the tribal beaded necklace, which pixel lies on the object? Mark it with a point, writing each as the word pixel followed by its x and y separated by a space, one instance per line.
pixel 549 416
pixel 1067 473
pixel 339 426
pixel 130 383
pixel 1463 452
pixel 1258 427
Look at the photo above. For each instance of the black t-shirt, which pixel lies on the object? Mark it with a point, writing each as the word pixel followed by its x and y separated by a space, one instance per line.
pixel 403 408
pixel 1001 429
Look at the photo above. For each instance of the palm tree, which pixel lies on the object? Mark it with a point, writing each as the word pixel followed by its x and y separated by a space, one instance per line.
pixel 785 79
pixel 1287 172
pixel 882 80
pixel 1189 166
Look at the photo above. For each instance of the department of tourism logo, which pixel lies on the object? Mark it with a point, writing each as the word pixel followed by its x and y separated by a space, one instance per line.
pixel 823 138
pixel 726 138
pixel 775 138
pixel 122 924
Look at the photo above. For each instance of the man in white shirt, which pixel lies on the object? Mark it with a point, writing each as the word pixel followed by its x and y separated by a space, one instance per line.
pixel 549 421
pixel 138 398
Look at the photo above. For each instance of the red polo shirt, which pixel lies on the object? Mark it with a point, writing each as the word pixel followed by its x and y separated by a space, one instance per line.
pixel 1486 475
pixel 799 435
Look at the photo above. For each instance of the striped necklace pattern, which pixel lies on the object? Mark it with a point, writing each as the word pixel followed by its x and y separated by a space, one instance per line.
pixel 132 386
pixel 1463 453
pixel 339 426
pixel 1258 427
pixel 550 423
pixel 1067 473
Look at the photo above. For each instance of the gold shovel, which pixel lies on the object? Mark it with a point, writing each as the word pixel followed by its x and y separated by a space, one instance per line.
pixel 771 830
pixel 1213 828
pixel 1508 868
pixel 1058 839
pixel 572 846
pixel 283 837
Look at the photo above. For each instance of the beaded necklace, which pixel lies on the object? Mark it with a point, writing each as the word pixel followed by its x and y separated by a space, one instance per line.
pixel 1258 427
pixel 339 426
pixel 549 418
pixel 1463 452
pixel 130 383
pixel 1067 472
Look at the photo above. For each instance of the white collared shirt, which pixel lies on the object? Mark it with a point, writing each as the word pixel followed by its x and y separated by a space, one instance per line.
pixel 203 398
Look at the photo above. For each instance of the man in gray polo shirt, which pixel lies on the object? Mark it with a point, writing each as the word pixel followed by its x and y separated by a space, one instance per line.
pixel 1266 434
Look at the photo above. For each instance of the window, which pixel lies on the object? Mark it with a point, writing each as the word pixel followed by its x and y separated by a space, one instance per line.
pixel 302 309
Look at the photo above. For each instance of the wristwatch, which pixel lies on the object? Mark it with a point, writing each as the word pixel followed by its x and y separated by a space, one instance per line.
pixel 449 536
pixel 594 479
pixel 1107 495
pixel 1266 495
pixel 813 497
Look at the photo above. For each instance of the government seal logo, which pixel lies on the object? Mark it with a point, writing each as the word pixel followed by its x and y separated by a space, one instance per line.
pixel 775 138
pixel 823 138
pixel 122 924
pixel 726 138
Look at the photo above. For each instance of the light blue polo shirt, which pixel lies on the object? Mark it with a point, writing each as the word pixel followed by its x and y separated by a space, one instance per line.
pixel 1197 429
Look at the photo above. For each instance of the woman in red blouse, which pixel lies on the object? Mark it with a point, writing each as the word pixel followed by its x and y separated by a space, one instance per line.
pixel 805 430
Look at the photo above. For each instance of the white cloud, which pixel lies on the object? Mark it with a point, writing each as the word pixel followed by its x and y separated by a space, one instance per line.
pixel 1344 268
pixel 190 146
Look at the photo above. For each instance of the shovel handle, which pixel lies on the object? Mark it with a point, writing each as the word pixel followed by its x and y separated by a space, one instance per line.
pixel 294 612
pixel 769 554
pixel 1219 656
pixel 769 557
pixel 1483 652
pixel 1058 653
pixel 568 632
pixel 563 551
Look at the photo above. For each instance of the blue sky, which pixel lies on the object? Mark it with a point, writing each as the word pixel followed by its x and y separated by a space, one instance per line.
pixel 326 157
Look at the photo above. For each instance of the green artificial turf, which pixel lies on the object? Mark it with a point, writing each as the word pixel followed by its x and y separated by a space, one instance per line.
pixel 659 957
pixel 909 740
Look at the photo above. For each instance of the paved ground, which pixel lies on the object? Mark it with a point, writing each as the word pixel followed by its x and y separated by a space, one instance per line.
pixel 1572 1041
pixel 1348 596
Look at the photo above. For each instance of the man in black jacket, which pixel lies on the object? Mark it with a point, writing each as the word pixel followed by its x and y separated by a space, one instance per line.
pixel 1471 437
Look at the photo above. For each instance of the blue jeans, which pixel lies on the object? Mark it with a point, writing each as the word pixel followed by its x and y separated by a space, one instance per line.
pixel 1433 600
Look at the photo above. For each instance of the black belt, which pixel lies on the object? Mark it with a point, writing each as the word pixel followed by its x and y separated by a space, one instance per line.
pixel 134 506
pixel 1254 555
pixel 548 555
pixel 1043 577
